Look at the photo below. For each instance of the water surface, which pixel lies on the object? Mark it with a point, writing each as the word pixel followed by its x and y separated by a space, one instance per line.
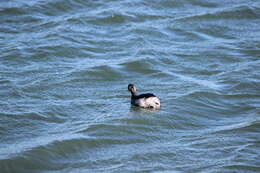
pixel 64 70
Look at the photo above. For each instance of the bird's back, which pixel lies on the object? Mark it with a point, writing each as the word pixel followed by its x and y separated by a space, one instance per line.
pixel 147 100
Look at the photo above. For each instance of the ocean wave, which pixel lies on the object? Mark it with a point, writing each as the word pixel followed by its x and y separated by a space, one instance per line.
pixel 186 3
pixel 205 83
pixel 108 19
pixel 242 167
pixel 118 130
pixel 235 12
pixel 243 126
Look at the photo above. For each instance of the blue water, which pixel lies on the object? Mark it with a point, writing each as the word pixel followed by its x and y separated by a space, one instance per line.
pixel 64 70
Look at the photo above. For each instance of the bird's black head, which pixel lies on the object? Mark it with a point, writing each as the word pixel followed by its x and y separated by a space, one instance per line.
pixel 131 88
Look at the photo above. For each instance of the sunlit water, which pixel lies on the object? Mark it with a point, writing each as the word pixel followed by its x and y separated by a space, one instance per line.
pixel 64 70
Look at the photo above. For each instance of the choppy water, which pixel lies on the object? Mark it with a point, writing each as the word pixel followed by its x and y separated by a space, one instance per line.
pixel 64 70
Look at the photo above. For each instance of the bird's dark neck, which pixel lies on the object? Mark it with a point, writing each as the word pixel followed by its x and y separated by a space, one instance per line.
pixel 133 94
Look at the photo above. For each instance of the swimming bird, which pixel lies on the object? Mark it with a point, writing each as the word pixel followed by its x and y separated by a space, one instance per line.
pixel 147 100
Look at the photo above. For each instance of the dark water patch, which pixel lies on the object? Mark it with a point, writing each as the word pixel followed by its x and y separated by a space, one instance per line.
pixel 248 127
pixel 61 50
pixel 5 82
pixel 213 31
pixel 25 165
pixel 109 19
pixel 48 25
pixel 6 12
pixel 223 103
pixel 187 3
pixel 151 32
pixel 247 87
pixel 134 133
pixel 237 12
pixel 145 17
pixel 141 66
pixel 207 4
pixel 105 73
pixel 81 145
pixel 56 8
pixel 8 30
pixel 249 47
pixel 32 116
pixel 242 167
pixel 57 150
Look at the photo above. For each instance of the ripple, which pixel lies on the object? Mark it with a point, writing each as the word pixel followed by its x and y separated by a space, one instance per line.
pixel 133 131
pixel 242 167
pixel 110 19
pixel 143 66
pixel 228 13
pixel 243 126
pixel 205 83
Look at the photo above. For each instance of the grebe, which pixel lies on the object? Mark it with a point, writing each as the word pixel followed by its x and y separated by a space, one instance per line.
pixel 143 100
